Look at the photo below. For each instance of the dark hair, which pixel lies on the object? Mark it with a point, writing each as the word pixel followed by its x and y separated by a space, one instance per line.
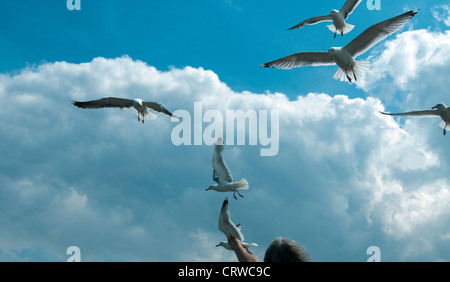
pixel 285 250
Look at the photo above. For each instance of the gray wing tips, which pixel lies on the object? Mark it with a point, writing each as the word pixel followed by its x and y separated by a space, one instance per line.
pixel 278 64
pixel 109 102
pixel 409 15
pixel 413 12
pixel 159 108
pixel 300 25
pixel 84 105
pixel 225 203
pixel 166 111
pixel 267 65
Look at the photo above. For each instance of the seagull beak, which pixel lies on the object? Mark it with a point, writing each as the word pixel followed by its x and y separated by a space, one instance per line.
pixel 434 107
pixel 217 245
pixel 207 189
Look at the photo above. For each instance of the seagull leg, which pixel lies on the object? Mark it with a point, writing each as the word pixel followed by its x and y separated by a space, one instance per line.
pixel 239 194
pixel 234 194
pixel 334 34
pixel 445 131
pixel 354 75
pixel 342 33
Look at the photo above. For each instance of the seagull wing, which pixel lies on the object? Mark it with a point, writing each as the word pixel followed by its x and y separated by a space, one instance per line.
pixel 157 108
pixel 110 102
pixel 349 7
pixel 426 113
pixel 377 33
pixel 300 60
pixel 313 20
pixel 221 173
pixel 226 225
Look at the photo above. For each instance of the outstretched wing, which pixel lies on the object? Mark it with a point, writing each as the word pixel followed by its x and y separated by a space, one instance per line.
pixel 349 7
pixel 226 225
pixel 377 33
pixel 425 113
pixel 157 108
pixel 221 172
pixel 300 60
pixel 110 102
pixel 311 21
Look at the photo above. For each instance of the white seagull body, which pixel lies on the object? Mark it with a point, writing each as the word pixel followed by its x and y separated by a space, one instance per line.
pixel 222 174
pixel 121 103
pixel 229 228
pixel 227 246
pixel 440 110
pixel 344 57
pixel 337 17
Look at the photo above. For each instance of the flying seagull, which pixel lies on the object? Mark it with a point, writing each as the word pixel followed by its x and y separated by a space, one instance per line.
pixel 140 106
pixel 222 174
pixel 337 17
pixel 439 110
pixel 227 246
pixel 229 228
pixel 344 57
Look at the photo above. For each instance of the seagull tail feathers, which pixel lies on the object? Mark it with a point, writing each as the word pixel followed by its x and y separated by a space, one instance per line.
pixel 358 69
pixel 444 125
pixel 361 67
pixel 332 28
pixel 340 75
pixel 241 184
pixel 347 28
pixel 149 116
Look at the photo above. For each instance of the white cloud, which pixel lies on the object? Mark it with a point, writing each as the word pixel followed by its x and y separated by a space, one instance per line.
pixel 408 60
pixel 345 176
pixel 441 13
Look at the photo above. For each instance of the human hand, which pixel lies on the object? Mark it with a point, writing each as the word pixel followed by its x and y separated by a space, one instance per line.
pixel 234 242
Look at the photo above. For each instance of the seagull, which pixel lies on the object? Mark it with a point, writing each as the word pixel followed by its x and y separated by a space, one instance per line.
pixel 337 17
pixel 222 175
pixel 140 106
pixel 344 57
pixel 229 228
pixel 440 110
pixel 227 246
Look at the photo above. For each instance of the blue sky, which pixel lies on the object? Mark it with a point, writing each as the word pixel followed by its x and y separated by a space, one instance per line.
pixel 230 37
pixel 345 178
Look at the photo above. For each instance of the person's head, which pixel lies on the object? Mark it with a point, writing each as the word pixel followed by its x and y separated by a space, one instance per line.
pixel 285 250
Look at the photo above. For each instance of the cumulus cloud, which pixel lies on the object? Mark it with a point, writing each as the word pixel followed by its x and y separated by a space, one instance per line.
pixel 412 58
pixel 345 177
